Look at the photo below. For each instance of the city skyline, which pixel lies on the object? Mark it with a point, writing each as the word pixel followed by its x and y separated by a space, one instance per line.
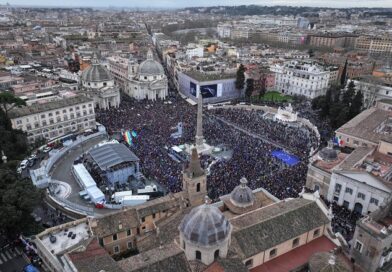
pixel 187 3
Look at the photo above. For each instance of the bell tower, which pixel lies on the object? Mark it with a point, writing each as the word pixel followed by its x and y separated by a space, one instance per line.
pixel 194 180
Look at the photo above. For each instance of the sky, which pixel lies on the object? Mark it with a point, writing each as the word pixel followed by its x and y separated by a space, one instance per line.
pixel 191 3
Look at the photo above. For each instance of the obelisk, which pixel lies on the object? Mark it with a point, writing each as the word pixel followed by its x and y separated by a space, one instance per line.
pixel 199 127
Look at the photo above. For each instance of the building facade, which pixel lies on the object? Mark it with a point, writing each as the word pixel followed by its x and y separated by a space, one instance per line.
pixel 147 80
pixel 55 119
pixel 301 78
pixel 98 84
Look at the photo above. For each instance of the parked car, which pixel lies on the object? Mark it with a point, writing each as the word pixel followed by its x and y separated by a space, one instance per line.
pixel 23 164
pixel 47 149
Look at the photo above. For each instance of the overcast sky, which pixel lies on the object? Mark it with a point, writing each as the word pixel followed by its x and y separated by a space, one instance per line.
pixel 188 3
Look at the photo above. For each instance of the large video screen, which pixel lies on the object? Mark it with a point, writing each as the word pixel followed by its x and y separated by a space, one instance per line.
pixel 209 90
pixel 193 89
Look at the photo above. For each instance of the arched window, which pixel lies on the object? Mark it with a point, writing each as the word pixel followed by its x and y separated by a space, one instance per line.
pixel 198 187
pixel 216 254
pixel 198 255
pixel 316 188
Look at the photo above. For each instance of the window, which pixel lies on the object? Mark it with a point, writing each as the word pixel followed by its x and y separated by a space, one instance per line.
pixel 349 190
pixel 362 196
pixel 143 219
pixel 116 249
pixel 198 255
pixel 114 237
pixel 358 246
pixel 249 263
pixel 198 187
pixel 129 245
pixel 346 204
pixel 84 106
pixel 338 187
pixel 129 232
pixel 153 216
pixel 295 242
pixel 273 252
pixel 216 254
pixel 316 233
pixel 64 111
pixel 50 114
pixel 57 112
pixel 374 201
pixel 43 116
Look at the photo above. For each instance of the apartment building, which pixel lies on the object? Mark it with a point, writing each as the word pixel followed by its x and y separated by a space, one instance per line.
pixel 301 78
pixel 54 119
pixel 375 45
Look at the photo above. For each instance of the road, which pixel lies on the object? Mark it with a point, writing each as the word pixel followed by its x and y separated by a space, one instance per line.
pixel 62 172
pixel 11 260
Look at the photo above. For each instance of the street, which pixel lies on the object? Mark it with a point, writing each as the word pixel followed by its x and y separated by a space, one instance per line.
pixel 11 260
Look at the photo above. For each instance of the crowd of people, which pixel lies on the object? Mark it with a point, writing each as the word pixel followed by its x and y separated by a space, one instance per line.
pixel 154 122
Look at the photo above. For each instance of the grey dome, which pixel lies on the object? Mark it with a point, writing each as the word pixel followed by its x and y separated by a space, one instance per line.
pixel 205 225
pixel 328 153
pixel 242 195
pixel 150 66
pixel 96 73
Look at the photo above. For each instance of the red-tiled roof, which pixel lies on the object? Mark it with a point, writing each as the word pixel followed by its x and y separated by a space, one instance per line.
pixel 296 257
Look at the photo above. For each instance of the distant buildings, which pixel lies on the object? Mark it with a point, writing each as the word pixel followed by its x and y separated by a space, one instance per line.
pixel 374 44
pixel 301 78
pixel 332 40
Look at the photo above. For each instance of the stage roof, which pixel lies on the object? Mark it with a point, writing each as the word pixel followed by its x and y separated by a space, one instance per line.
pixel 107 156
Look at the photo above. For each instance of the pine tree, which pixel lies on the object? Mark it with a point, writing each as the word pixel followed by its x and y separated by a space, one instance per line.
pixel 344 75
pixel 349 94
pixel 249 87
pixel 240 79
pixel 356 104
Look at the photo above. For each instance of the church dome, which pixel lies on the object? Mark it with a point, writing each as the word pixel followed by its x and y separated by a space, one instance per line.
pixel 96 73
pixel 328 153
pixel 242 195
pixel 205 225
pixel 150 66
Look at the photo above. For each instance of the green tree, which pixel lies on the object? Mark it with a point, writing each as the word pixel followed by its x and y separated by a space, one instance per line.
pixel 7 102
pixel 249 88
pixel 240 79
pixel 18 200
pixel 348 94
pixel 344 75
pixel 356 104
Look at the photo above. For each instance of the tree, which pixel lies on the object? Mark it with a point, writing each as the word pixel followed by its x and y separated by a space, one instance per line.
pixel 349 94
pixel 263 87
pixel 249 88
pixel 356 105
pixel 7 102
pixel 18 200
pixel 240 79
pixel 344 75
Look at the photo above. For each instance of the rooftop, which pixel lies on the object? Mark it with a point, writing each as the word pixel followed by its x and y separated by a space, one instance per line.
pixel 93 258
pixel 370 125
pixel 169 257
pixel 49 106
pixel 297 257
pixel 266 227
pixel 107 156
pixel 199 76
pixel 63 242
